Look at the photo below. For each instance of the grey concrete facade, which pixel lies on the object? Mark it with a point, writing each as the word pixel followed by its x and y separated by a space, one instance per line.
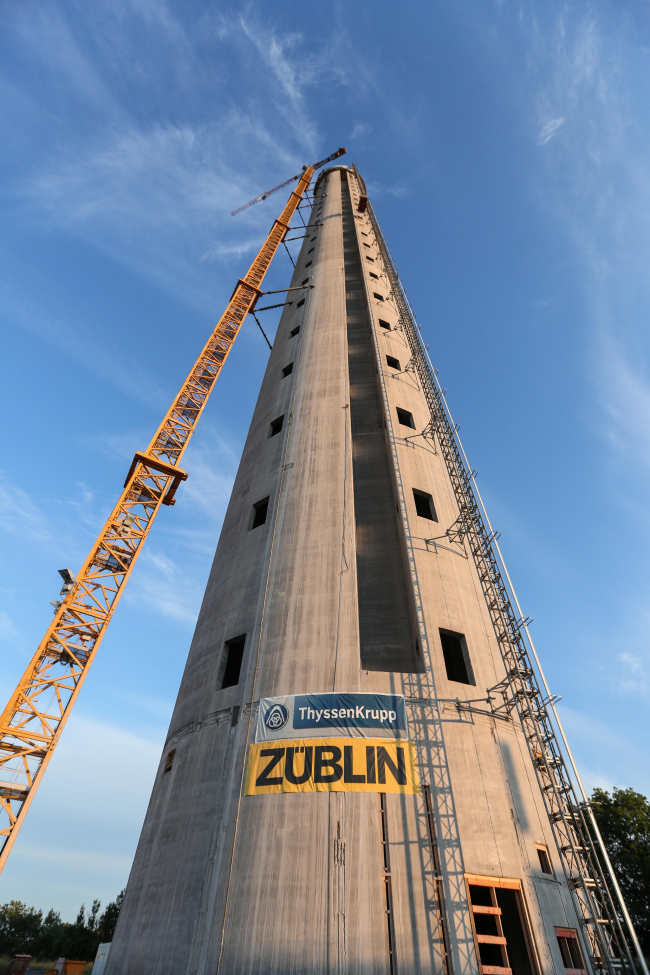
pixel 297 884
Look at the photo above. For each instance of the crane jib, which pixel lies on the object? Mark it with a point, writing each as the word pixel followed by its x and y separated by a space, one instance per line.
pixel 34 717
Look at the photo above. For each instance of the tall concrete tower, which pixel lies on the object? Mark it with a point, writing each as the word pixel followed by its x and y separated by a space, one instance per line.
pixel 362 774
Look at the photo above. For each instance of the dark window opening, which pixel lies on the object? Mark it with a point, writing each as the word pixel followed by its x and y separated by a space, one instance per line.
pixel 300 303
pixel 500 927
pixel 305 281
pixel 405 418
pixel 169 761
pixel 311 251
pixel 365 245
pixel 287 370
pixel 393 362
pixel 384 324
pixel 567 939
pixel 294 331
pixel 260 509
pixel 378 297
pixel 424 505
pixel 376 277
pixel 544 860
pixel 457 663
pixel 364 233
pixel 308 264
pixel 369 258
pixel 313 238
pixel 276 426
pixel 231 660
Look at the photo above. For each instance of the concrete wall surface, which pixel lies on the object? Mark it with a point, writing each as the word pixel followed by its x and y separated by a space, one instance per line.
pixel 324 883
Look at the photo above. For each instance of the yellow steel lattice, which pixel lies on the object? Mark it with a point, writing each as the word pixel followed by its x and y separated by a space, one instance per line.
pixel 34 718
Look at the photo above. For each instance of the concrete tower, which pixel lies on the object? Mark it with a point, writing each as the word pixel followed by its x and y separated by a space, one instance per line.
pixel 352 561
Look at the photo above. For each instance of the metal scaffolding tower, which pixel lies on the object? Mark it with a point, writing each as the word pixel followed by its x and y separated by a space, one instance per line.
pixel 524 692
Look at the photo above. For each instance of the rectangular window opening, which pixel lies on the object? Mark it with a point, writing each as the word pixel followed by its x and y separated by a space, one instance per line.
pixel 567 939
pixel 378 297
pixel 501 927
pixel 169 761
pixel 369 258
pixel 300 303
pixel 393 362
pixel 305 281
pixel 376 277
pixel 456 656
pixel 258 517
pixel 424 505
pixel 276 426
pixel 308 264
pixel 544 860
pixel 287 370
pixel 405 418
pixel 311 251
pixel 231 661
pixel 384 324
pixel 294 331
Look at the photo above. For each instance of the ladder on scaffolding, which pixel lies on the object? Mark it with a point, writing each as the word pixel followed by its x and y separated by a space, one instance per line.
pixel 609 934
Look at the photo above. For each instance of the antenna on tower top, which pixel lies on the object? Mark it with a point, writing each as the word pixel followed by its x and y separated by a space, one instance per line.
pixel 258 199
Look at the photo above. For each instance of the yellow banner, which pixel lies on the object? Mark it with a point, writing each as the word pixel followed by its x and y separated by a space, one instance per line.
pixel 332 765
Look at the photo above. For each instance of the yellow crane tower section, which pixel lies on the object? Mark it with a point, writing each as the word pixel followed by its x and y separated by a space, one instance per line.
pixel 38 709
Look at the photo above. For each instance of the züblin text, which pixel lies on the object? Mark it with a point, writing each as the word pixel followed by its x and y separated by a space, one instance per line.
pixel 332 765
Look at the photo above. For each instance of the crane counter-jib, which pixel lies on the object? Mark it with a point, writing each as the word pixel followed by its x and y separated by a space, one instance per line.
pixel 34 717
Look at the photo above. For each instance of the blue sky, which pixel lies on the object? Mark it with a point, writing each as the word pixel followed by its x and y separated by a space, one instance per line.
pixel 505 146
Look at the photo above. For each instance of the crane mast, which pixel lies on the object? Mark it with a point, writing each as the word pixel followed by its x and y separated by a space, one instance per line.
pixel 34 718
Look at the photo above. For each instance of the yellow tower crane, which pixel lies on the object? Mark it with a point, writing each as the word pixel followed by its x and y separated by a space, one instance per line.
pixel 38 709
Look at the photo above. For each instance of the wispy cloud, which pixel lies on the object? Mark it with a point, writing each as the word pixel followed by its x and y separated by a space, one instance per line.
pixel 625 396
pixel 227 251
pixel 633 679
pixel 156 195
pixel 213 466
pixel 296 67
pixel 598 186
pixel 84 344
pixel 600 749
pixel 19 515
pixel 161 585
pixel 360 130
pixel 550 129
pixel 8 629
pixel 94 762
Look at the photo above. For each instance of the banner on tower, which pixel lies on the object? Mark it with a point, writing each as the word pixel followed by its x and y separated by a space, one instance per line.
pixel 332 765
pixel 332 714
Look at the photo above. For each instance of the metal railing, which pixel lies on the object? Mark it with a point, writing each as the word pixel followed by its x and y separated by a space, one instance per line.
pixel 609 934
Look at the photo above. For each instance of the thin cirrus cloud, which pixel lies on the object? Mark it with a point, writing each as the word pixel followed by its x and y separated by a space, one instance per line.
pixel 156 196
pixel 19 515
pixel 549 130
pixel 82 342
pixel 600 190
pixel 625 397
pixel 94 757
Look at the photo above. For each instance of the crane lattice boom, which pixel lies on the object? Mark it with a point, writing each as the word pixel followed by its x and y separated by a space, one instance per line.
pixel 35 716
